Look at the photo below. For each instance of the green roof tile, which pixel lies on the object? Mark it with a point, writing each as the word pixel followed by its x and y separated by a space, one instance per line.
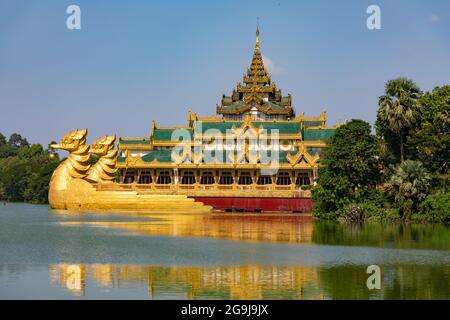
pixel 235 105
pixel 159 155
pixel 166 134
pixel 221 126
pixel 283 127
pixel 135 141
pixel 317 134
pixel 274 106
pixel 313 151
pixel 309 124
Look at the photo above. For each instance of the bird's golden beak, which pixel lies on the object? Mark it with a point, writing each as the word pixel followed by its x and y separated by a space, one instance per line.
pixel 55 146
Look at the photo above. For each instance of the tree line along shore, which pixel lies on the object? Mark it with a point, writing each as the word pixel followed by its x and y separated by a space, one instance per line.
pixel 400 173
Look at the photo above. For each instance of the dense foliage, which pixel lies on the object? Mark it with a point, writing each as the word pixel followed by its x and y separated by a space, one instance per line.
pixel 402 172
pixel 25 170
pixel 350 168
pixel 410 185
pixel 429 141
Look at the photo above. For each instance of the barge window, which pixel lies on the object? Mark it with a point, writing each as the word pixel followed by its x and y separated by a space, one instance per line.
pixel 303 179
pixel 284 179
pixel 207 178
pixel 188 178
pixel 226 178
pixel 164 178
pixel 130 176
pixel 245 178
pixel 145 177
pixel 264 180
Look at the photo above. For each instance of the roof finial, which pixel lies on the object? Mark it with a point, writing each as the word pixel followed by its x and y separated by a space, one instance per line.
pixel 257 33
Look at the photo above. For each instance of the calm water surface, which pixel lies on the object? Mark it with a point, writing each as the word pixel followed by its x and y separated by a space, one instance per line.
pixel 46 254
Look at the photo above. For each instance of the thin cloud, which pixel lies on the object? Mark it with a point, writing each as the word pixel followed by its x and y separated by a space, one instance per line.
pixel 434 18
pixel 272 68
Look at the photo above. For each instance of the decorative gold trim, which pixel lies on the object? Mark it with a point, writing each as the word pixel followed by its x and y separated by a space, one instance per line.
pixel 302 154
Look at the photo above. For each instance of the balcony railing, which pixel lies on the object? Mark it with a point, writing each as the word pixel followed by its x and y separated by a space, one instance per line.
pixel 212 190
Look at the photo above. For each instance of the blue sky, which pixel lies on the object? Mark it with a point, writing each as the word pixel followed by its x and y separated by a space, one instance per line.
pixel 137 61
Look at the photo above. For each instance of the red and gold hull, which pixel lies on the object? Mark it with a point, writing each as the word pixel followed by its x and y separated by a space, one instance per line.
pixel 252 204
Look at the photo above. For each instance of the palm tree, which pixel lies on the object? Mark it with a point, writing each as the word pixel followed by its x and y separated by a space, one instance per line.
pixel 410 184
pixel 398 108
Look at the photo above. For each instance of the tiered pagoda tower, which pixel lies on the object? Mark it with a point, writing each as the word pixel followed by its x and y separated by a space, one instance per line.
pixel 257 96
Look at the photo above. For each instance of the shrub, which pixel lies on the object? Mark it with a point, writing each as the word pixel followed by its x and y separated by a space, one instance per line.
pixel 368 212
pixel 435 208
pixel 409 185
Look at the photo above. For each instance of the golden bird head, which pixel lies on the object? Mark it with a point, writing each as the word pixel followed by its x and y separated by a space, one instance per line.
pixel 101 146
pixel 72 141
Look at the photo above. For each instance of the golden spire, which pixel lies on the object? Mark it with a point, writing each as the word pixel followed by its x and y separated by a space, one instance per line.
pixel 257 39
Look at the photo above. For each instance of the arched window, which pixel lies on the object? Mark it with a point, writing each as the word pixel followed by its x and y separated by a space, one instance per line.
pixel 207 178
pixel 164 178
pixel 284 179
pixel 245 178
pixel 188 177
pixel 130 176
pixel 264 180
pixel 226 178
pixel 145 177
pixel 303 179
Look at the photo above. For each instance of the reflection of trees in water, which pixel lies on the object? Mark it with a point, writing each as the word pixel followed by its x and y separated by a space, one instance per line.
pixel 346 283
pixel 436 237
pixel 409 282
pixel 419 282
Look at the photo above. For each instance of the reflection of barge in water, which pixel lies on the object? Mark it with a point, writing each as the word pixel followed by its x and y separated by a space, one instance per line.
pixel 255 155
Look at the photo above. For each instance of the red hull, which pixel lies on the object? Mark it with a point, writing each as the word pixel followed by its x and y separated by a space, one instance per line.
pixel 259 204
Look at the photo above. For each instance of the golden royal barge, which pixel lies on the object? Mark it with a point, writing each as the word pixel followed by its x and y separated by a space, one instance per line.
pixel 254 155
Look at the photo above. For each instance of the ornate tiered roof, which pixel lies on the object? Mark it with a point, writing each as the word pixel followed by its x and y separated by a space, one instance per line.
pixel 301 138
pixel 257 91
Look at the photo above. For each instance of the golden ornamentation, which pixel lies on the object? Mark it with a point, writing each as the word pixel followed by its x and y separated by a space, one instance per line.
pixel 257 88
pixel 69 188
pixel 77 186
pixel 75 166
pixel 302 154
pixel 105 168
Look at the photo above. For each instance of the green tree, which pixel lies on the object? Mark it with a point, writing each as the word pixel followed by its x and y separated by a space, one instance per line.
pixel 398 110
pixel 409 185
pixel 430 141
pixel 8 151
pixel 25 170
pixel 350 167
pixel 16 140
pixel 2 140
pixel 435 208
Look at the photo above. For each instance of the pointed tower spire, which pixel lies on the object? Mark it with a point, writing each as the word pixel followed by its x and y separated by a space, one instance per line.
pixel 257 36
pixel 257 91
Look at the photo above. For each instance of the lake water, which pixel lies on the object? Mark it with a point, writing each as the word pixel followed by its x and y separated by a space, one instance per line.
pixel 46 254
